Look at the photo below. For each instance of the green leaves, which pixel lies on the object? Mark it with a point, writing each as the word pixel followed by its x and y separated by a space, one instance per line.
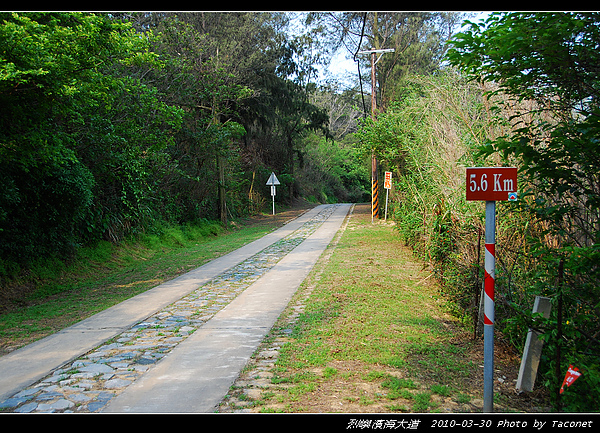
pixel 544 67
pixel 132 120
pixel 533 55
pixel 546 63
pixel 73 126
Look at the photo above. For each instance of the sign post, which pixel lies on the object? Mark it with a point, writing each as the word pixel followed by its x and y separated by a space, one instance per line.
pixel 387 184
pixel 490 184
pixel 272 182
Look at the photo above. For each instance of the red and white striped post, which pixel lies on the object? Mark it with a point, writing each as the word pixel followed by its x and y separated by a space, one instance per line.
pixel 488 306
pixel 490 184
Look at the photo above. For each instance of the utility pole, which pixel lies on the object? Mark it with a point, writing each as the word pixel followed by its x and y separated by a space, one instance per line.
pixel 374 171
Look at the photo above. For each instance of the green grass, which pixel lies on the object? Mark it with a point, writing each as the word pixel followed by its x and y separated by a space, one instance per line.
pixel 53 294
pixel 361 312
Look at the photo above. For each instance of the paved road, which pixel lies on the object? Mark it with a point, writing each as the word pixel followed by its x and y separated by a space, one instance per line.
pixel 191 366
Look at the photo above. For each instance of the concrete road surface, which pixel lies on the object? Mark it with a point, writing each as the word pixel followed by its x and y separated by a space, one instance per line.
pixel 197 374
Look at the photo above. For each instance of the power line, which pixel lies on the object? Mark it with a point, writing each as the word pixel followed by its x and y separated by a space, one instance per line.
pixel 362 33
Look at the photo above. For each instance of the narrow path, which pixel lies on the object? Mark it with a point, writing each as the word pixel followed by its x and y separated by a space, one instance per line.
pixel 161 340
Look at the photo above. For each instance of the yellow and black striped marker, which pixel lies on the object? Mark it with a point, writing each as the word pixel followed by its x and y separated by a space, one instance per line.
pixel 375 199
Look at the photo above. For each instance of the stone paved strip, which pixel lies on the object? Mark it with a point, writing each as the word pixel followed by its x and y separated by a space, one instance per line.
pixel 88 383
pixel 255 380
pixel 31 363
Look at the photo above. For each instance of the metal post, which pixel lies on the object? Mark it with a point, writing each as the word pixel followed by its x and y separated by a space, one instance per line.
pixel 272 182
pixel 387 191
pixel 273 197
pixel 488 321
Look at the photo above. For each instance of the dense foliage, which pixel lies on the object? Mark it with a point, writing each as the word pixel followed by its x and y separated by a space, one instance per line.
pixel 79 135
pixel 550 60
pixel 115 124
pixel 524 94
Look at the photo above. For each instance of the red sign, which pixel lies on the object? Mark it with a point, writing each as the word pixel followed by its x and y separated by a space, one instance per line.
pixel 572 374
pixel 492 183
pixel 387 183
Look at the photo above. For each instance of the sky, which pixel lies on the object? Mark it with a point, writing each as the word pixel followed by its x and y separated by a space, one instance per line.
pixel 343 68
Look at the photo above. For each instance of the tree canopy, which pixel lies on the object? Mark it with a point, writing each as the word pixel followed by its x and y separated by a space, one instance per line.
pixel 545 70
pixel 551 60
pixel 112 122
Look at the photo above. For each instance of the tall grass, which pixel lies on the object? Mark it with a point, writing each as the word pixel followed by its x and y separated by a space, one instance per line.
pixel 440 125
pixel 447 120
pixel 436 132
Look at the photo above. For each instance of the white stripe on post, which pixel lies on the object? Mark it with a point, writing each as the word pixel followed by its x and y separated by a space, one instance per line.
pixel 488 324
pixel 490 265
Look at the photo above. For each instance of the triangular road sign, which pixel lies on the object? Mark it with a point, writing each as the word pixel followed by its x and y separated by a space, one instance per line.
pixel 273 180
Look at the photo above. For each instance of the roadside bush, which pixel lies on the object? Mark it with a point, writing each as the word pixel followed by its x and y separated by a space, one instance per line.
pixel 428 140
pixel 46 214
pixel 333 172
pixel 547 91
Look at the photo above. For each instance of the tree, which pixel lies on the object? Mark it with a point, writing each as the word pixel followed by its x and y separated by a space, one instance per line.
pixel 209 95
pixel 418 39
pixel 114 123
pixel 342 108
pixel 551 60
pixel 80 134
